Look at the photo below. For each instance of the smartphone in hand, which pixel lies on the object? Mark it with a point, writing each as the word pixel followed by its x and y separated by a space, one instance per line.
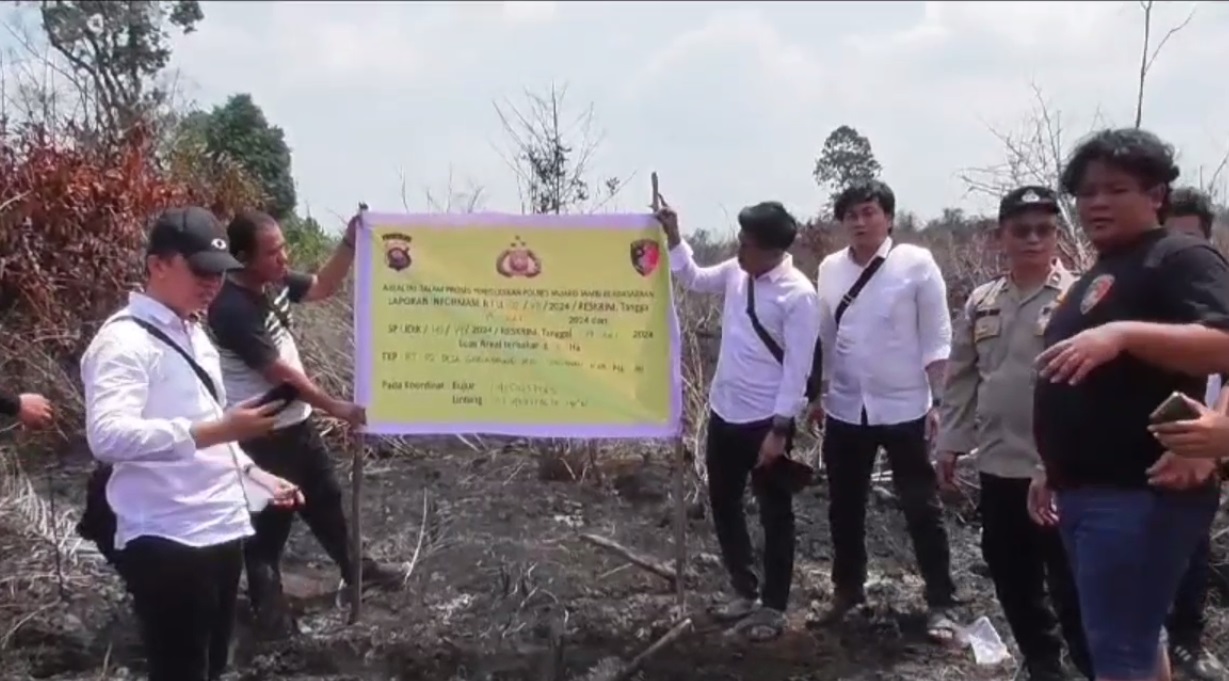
pixel 282 395
pixel 1174 408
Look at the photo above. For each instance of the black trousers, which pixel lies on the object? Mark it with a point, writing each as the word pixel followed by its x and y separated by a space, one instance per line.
pixel 1186 621
pixel 297 454
pixel 849 453
pixel 1026 561
pixel 184 598
pixel 731 454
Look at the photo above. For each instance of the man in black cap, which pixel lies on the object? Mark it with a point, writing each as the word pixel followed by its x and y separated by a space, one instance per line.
pixel 178 492
pixel 987 408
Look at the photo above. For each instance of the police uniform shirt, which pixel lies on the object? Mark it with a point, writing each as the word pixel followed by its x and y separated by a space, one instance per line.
pixel 1096 432
pixel 987 402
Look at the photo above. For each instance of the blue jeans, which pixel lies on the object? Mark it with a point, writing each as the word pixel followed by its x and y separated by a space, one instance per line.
pixel 1128 550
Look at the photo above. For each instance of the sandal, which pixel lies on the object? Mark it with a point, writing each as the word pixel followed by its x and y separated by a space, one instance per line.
pixel 761 626
pixel 940 628
pixel 842 604
pixel 733 609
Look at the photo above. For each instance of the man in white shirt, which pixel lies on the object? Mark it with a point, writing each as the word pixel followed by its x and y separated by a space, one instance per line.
pixel 179 485
pixel 769 328
pixel 885 350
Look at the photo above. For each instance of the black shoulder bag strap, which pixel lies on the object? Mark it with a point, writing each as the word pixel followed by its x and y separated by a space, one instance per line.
pixel 852 294
pixel 196 368
pixel 774 348
pixel 98 522
pixel 814 380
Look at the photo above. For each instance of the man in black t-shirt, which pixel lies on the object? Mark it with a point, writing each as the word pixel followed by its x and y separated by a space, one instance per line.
pixel 252 324
pixel 1149 318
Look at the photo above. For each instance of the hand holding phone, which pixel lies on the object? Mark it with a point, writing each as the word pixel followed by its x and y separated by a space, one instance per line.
pixel 282 395
pixel 1176 407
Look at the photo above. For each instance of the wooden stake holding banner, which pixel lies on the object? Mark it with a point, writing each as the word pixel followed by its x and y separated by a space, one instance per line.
pixel 357 457
pixel 356 526
pixel 678 479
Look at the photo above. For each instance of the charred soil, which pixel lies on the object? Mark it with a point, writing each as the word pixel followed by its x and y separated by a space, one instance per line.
pixel 504 588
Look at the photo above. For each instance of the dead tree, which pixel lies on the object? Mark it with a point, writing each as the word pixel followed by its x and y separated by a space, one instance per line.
pixel 550 150
pixel 1148 54
pixel 1034 152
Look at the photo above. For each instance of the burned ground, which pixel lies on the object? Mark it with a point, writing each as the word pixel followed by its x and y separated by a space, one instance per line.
pixel 500 566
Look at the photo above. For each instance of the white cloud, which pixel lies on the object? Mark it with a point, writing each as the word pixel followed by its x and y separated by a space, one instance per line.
pixel 529 11
pixel 730 102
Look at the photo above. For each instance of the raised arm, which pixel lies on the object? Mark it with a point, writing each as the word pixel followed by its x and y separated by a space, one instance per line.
pixel 683 266
pixel 957 413
pixel 328 279
pixel 699 279
pixel 934 323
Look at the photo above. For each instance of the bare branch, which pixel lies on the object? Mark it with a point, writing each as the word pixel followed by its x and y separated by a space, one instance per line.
pixel 550 152
pixel 1147 59
pixel 1034 154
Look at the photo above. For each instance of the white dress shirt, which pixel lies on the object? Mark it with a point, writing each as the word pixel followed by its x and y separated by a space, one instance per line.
pixel 898 325
pixel 141 399
pixel 750 384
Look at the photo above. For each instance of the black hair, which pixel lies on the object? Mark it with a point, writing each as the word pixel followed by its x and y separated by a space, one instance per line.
pixel 1138 153
pixel 769 225
pixel 865 191
pixel 242 230
pixel 1185 201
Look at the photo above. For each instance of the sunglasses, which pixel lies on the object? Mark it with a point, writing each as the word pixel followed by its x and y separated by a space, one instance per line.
pixel 1025 231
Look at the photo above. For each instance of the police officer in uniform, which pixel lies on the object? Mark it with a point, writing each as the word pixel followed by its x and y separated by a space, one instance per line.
pixel 987 406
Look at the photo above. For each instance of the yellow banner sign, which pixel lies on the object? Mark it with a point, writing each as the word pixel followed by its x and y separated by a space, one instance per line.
pixel 536 326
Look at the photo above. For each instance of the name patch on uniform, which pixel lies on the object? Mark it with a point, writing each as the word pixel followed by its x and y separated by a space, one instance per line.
pixel 987 326
pixel 1096 292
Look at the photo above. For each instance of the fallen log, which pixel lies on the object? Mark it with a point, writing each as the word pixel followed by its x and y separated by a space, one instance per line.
pixel 647 563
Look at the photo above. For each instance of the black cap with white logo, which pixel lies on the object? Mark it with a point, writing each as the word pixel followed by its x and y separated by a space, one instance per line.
pixel 1028 198
pixel 195 234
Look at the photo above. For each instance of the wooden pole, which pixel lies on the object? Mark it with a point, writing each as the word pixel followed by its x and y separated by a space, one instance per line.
pixel 678 479
pixel 357 442
pixel 356 527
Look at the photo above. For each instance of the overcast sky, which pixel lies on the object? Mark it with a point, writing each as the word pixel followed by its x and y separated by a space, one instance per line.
pixel 728 102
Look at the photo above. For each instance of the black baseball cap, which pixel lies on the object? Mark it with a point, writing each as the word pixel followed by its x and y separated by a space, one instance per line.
pixel 1028 198
pixel 195 234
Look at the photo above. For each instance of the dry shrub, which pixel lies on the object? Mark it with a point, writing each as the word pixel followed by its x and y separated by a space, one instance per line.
pixel 72 230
